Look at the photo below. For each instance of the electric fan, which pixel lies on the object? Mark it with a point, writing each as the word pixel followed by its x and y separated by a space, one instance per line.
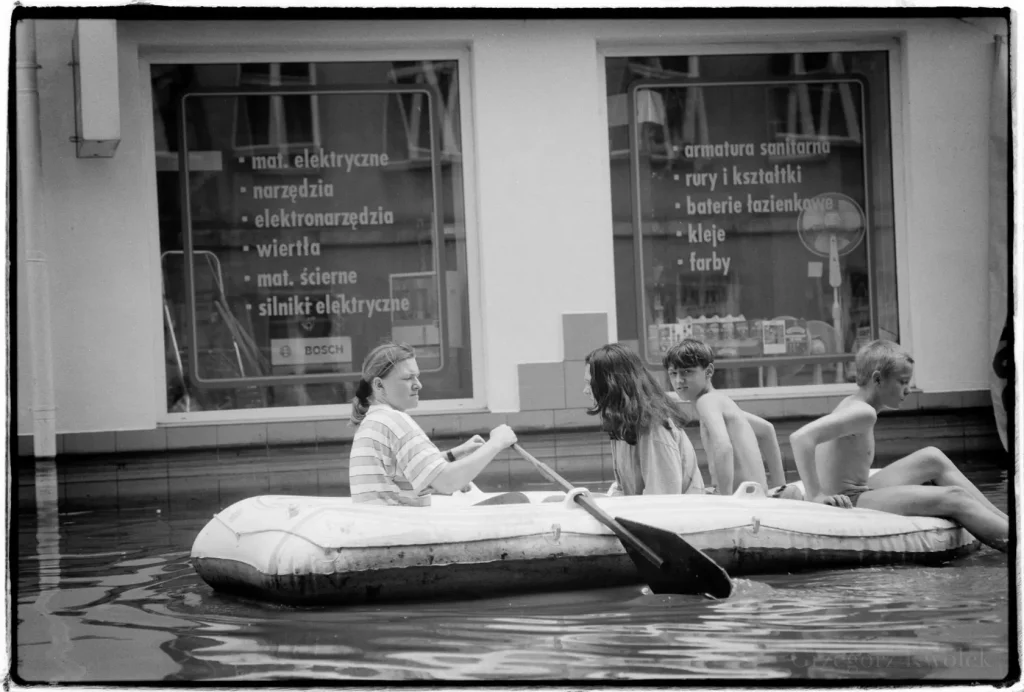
pixel 832 225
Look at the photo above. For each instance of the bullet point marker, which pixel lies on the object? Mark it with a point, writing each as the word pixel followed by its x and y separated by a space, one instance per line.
pixel 678 205
pixel 679 262
pixel 679 234
pixel 243 187
pixel 675 176
pixel 245 248
pixel 241 159
pixel 246 277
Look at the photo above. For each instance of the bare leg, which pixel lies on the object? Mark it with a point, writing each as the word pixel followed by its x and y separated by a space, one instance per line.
pixel 929 464
pixel 951 502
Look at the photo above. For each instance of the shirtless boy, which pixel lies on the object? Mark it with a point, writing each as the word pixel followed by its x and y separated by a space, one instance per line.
pixel 733 439
pixel 834 455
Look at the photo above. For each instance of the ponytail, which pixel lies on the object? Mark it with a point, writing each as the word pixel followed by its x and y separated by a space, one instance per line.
pixel 361 402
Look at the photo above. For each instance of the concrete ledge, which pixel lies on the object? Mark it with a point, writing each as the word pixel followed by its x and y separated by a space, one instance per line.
pixel 242 435
pixel 228 440
pixel 89 443
pixel 141 440
pixel 202 478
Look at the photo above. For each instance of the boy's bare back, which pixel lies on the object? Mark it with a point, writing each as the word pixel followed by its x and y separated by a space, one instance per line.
pixel 844 463
pixel 719 415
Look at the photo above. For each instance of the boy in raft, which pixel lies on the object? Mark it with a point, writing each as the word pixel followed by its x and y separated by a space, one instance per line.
pixel 393 462
pixel 834 455
pixel 651 454
pixel 734 440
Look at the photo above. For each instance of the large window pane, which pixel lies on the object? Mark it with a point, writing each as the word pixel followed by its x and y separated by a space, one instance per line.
pixel 321 220
pixel 752 202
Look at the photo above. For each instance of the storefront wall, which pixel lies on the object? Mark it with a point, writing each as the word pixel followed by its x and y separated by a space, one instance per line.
pixel 537 206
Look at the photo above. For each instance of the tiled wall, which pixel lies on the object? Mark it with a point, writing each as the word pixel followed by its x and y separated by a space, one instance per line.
pixel 550 398
pixel 203 480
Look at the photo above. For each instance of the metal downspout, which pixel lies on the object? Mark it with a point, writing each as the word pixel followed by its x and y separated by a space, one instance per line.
pixel 44 424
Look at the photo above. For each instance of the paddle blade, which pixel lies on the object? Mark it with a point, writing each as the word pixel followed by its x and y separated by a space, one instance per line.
pixel 686 569
pixel 513 498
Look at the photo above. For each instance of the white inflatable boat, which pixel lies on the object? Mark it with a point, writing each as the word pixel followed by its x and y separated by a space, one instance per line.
pixel 309 550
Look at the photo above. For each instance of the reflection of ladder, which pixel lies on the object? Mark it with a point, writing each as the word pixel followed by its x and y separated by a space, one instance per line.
pixel 799 117
pixel 243 346
pixel 186 398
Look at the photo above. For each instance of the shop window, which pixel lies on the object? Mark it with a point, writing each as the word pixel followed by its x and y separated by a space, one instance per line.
pixel 296 235
pixel 752 209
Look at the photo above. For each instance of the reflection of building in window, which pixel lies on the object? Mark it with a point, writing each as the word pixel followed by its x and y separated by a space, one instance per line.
pixel 694 129
pixel 700 295
pixel 279 121
pixel 420 325
pixel 808 106
pixel 407 119
pixel 666 119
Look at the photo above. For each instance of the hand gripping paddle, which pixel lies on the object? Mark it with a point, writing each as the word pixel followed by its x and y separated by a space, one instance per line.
pixel 666 562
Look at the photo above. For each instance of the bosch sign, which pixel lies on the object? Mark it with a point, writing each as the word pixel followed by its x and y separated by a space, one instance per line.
pixel 328 349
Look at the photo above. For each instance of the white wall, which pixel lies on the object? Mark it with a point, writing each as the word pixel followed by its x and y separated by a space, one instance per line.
pixel 544 245
pixel 98 231
pixel 950 72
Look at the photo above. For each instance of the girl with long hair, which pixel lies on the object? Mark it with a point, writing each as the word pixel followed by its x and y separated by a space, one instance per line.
pixel 393 462
pixel 651 454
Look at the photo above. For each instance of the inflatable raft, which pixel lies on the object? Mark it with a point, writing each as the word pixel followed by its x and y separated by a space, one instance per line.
pixel 309 550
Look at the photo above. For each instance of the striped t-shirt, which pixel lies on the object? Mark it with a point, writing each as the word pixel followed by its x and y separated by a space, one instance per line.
pixel 393 462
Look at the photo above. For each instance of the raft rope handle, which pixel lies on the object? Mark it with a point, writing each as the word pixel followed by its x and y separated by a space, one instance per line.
pixel 238 534
pixel 228 526
pixel 570 497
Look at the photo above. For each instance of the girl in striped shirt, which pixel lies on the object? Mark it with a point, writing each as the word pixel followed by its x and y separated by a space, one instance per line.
pixel 393 462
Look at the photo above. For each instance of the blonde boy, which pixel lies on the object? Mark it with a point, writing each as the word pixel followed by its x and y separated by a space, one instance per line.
pixel 734 440
pixel 834 455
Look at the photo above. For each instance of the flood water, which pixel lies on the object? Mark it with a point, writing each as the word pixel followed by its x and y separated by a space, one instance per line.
pixel 110 596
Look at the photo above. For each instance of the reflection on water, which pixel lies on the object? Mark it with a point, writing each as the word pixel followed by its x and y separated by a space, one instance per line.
pixel 111 596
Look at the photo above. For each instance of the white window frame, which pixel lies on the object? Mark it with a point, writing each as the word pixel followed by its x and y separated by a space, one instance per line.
pixel 172 51
pixel 611 46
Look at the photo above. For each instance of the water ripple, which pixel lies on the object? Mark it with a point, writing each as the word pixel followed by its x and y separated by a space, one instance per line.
pixel 108 596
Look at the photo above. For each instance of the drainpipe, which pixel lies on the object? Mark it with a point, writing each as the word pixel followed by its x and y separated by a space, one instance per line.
pixel 44 424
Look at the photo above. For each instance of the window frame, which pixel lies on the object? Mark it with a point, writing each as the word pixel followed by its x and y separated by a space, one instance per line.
pixel 192 334
pixel 636 196
pixel 610 46
pixel 171 49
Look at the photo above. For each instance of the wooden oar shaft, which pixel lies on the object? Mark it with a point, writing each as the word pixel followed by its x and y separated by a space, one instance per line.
pixel 544 468
pixel 588 504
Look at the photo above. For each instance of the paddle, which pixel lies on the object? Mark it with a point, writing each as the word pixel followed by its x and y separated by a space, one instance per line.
pixel 513 498
pixel 666 562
